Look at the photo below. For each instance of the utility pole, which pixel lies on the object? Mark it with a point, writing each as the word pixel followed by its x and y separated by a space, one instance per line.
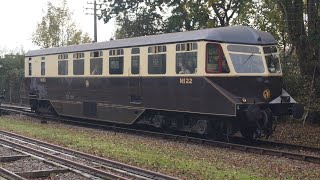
pixel 95 15
pixel 95 21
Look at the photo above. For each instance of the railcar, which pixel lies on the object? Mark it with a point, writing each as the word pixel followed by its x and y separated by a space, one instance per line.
pixel 213 82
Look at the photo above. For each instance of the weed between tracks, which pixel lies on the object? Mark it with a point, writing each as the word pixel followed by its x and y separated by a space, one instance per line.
pixel 187 161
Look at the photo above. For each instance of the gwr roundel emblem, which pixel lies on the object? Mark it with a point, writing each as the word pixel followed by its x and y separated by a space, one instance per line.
pixel 87 83
pixel 266 94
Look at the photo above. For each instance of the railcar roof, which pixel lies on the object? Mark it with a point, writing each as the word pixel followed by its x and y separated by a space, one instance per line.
pixel 231 34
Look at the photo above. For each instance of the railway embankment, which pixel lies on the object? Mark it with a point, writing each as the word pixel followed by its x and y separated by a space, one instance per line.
pixel 295 132
pixel 185 160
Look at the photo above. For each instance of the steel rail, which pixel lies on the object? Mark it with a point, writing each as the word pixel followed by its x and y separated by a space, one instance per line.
pixel 10 175
pixel 114 164
pixel 260 142
pixel 223 144
pixel 84 168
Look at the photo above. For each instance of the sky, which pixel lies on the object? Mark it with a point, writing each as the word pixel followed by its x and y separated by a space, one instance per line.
pixel 18 20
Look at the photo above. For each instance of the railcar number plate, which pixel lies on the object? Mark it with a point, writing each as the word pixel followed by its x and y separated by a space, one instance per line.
pixel 185 80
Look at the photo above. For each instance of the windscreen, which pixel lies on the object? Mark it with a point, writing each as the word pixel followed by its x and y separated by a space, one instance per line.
pixel 272 59
pixel 246 59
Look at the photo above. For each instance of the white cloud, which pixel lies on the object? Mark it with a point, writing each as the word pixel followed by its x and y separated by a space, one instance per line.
pixel 19 19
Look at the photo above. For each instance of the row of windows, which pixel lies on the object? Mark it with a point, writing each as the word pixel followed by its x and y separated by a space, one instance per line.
pixel 96 54
pixel 78 55
pixel 186 63
pixel 63 56
pixel 116 52
pixel 119 52
pixel 157 49
pixel 187 47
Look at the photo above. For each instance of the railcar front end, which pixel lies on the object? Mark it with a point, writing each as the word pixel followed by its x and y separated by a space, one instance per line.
pixel 255 87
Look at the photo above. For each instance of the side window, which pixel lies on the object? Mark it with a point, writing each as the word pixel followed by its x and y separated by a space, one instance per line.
pixel 157 64
pixel 116 61
pixel 135 61
pixel 78 67
pixel 135 64
pixel 216 61
pixel 63 64
pixel 186 58
pixel 43 68
pixel 63 67
pixel 157 60
pixel 96 54
pixel 116 65
pixel 30 69
pixel 96 66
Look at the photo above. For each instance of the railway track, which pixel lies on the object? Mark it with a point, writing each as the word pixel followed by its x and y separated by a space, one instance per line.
pixel 88 166
pixel 19 161
pixel 291 151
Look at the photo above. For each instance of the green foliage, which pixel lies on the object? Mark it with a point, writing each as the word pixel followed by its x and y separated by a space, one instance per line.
pixel 136 18
pixel 302 19
pixel 11 76
pixel 144 22
pixel 226 10
pixel 187 15
pixel 57 28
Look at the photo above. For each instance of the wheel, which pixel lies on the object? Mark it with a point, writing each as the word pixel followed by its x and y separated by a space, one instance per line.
pixel 249 132
pixel 202 127
pixel 158 121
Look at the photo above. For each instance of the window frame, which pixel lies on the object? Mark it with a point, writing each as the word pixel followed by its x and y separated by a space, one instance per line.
pixel 96 59
pixel 30 68
pixel 165 63
pixel 186 53
pixel 43 68
pixel 221 53
pixel 67 68
pixel 73 62
pixel 157 50
pixel 121 62
pixel 135 56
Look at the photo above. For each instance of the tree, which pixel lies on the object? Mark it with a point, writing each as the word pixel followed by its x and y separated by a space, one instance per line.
pixel 57 28
pixel 188 15
pixel 226 10
pixel 11 75
pixel 170 15
pixel 303 22
pixel 144 22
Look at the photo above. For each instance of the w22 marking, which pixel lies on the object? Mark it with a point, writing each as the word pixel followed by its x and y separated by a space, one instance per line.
pixel 185 80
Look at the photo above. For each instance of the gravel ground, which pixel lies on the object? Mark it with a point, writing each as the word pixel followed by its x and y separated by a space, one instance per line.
pixel 49 151
pixel 8 152
pixel 64 176
pixel 295 132
pixel 219 158
pixel 26 164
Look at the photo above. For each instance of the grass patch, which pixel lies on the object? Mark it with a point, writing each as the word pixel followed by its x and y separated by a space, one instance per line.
pixel 178 159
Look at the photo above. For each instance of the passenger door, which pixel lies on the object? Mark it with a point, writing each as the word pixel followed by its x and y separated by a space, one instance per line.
pixel 135 80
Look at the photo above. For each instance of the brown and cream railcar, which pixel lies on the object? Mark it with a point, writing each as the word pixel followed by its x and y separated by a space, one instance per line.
pixel 212 81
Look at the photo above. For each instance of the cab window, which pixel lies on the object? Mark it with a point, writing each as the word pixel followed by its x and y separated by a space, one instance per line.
pixel 216 61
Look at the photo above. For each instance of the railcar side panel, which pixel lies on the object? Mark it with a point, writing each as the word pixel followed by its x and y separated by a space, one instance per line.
pixel 114 99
